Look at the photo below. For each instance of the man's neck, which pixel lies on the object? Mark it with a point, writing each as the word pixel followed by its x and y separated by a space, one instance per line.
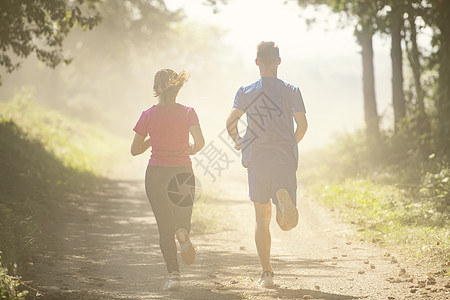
pixel 268 72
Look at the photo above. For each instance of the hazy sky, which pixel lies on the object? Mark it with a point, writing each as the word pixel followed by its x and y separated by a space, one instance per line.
pixel 323 60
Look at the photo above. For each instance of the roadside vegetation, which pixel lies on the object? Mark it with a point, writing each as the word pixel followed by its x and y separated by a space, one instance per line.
pixel 45 158
pixel 397 194
pixel 207 215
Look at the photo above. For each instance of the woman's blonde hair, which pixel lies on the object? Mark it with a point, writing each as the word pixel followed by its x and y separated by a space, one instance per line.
pixel 168 81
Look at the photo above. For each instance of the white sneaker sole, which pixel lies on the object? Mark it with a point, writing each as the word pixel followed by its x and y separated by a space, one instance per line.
pixel 266 284
pixel 173 287
pixel 287 208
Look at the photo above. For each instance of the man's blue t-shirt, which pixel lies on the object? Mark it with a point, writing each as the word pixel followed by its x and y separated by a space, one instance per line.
pixel 269 104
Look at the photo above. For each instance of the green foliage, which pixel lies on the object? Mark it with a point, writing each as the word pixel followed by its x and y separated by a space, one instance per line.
pixel 32 180
pixel 42 162
pixel 206 215
pixel 436 187
pixel 351 155
pixel 80 146
pixel 396 192
pixel 9 285
pixel 215 4
pixel 390 216
pixel 140 25
pixel 40 27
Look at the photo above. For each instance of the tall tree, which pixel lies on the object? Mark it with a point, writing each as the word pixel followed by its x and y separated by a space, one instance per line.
pixel 365 36
pixel 436 14
pixel 413 54
pixel 39 27
pixel 396 25
pixel 442 8
pixel 365 14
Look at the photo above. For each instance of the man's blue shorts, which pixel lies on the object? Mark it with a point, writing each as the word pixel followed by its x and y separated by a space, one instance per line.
pixel 265 178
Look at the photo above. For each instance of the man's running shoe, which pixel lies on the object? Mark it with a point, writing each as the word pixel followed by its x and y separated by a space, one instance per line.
pixel 287 208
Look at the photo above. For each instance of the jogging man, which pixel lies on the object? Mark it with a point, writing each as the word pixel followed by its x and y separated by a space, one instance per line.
pixel 269 148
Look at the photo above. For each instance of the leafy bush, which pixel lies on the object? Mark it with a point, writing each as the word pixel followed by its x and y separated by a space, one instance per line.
pixel 44 156
pixel 397 191
pixel 388 215
pixel 32 181
pixel 9 285
pixel 436 187
pixel 77 145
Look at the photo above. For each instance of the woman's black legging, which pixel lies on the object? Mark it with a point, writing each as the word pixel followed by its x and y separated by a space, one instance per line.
pixel 170 191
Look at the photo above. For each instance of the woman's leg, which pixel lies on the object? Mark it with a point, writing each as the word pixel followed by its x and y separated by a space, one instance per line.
pixel 183 208
pixel 156 180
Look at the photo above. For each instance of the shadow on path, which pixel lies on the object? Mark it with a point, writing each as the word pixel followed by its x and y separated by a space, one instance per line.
pixel 104 245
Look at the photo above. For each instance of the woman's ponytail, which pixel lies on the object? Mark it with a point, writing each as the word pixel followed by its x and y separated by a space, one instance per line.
pixel 168 81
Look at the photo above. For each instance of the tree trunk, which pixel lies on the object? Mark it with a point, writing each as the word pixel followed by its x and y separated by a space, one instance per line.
pixel 443 101
pixel 370 103
pixel 414 60
pixel 398 98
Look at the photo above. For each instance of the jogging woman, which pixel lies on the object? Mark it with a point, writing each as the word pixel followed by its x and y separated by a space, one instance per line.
pixel 169 179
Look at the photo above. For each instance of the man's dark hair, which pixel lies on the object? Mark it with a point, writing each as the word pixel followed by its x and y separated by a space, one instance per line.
pixel 267 52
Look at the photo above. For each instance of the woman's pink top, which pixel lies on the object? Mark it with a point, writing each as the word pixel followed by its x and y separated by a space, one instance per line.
pixel 168 128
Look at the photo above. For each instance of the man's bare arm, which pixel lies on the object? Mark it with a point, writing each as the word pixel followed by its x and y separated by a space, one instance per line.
pixel 232 127
pixel 302 125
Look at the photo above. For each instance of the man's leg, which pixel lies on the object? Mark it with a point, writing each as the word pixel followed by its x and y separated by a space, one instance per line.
pixel 262 234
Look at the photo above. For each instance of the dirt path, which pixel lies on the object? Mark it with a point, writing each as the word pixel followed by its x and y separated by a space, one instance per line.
pixel 105 246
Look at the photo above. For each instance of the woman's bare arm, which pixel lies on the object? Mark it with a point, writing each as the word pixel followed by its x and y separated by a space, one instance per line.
pixel 140 144
pixel 199 140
